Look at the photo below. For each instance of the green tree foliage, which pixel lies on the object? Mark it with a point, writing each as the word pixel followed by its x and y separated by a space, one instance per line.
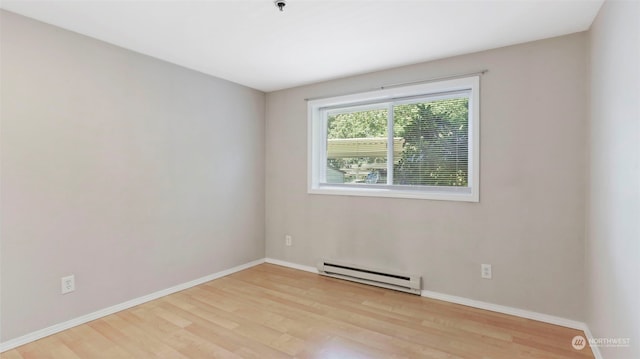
pixel 435 149
pixel 362 124
pixel 435 141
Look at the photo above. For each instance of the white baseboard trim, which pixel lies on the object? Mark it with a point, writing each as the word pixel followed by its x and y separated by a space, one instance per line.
pixel 13 343
pixel 546 318
pixel 505 310
pixel 465 301
pixel 291 265
pixel 39 334
pixel 595 350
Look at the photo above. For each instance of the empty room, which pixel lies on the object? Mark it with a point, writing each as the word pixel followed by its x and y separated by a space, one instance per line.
pixel 320 179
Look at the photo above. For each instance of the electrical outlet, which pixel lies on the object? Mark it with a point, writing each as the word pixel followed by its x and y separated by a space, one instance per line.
pixel 485 271
pixel 68 284
pixel 288 240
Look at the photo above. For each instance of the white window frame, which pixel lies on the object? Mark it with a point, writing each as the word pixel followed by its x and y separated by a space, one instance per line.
pixel 317 140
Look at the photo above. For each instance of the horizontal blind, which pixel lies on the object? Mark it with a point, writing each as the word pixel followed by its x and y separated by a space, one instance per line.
pixel 435 137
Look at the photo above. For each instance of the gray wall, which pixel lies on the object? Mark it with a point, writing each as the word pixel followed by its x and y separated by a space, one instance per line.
pixel 613 246
pixel 131 173
pixel 530 222
pixel 136 175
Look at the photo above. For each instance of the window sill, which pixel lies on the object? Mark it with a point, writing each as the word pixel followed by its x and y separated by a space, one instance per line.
pixel 432 193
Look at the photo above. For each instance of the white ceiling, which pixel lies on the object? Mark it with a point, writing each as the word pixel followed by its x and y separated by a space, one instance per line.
pixel 250 42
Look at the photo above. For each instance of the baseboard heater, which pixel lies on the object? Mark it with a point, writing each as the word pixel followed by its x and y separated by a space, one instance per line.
pixel 397 281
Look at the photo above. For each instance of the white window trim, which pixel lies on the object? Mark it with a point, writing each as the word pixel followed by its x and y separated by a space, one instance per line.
pixel 316 128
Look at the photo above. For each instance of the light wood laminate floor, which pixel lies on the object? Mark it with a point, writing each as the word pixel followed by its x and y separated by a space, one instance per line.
pixel 270 311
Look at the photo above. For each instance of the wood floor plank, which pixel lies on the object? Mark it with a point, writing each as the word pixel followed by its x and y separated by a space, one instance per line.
pixel 269 311
pixel 360 327
pixel 335 325
pixel 205 325
pixel 11 354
